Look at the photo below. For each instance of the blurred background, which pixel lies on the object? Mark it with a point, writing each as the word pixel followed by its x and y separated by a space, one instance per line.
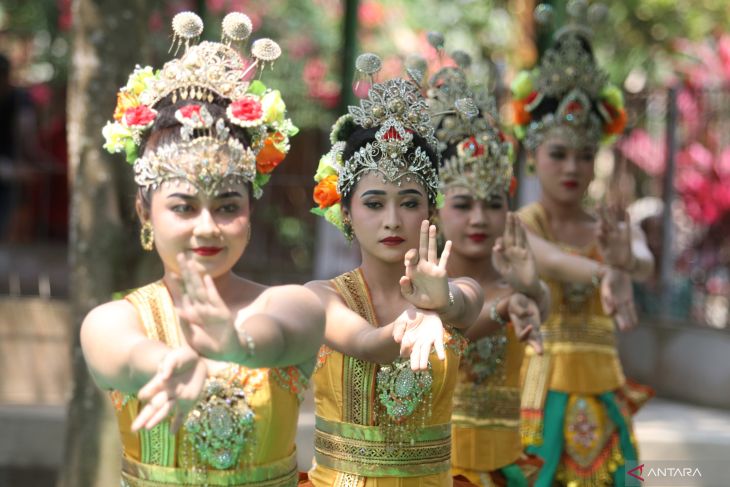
pixel 68 232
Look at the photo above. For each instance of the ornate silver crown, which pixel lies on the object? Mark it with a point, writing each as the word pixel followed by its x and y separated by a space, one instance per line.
pixel 399 110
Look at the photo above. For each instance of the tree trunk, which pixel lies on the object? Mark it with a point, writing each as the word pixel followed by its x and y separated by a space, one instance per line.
pixel 108 40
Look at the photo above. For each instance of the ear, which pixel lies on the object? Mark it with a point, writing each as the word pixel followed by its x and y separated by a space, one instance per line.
pixel 142 212
pixel 345 211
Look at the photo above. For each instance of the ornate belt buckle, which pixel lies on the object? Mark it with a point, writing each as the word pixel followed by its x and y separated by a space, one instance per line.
pixel 220 426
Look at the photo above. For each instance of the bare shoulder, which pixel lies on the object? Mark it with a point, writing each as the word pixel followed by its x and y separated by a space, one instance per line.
pixel 110 319
pixel 321 288
pixel 291 294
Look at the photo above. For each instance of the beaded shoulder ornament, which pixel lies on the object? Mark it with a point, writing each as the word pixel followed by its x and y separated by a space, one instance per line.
pixel 398 110
pixel 588 108
pixel 208 155
pixel 466 124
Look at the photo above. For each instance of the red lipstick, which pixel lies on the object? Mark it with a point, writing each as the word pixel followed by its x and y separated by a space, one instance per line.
pixel 392 241
pixel 477 237
pixel 570 184
pixel 207 251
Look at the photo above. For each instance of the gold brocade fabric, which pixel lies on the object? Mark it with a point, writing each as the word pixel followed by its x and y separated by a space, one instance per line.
pixel 158 458
pixel 345 400
pixel 485 420
pixel 579 339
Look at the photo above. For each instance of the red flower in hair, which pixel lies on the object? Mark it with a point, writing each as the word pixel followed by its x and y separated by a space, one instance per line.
pixel 188 111
pixel 140 116
pixel 246 112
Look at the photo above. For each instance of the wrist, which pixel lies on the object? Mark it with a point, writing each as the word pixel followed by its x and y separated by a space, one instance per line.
pixel 444 310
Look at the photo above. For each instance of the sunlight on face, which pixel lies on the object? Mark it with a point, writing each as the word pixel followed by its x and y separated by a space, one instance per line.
pixel 386 218
pixel 213 229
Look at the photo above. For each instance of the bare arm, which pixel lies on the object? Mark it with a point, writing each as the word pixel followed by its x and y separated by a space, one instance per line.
pixel 349 333
pixel 118 353
pixel 556 264
pixel 468 303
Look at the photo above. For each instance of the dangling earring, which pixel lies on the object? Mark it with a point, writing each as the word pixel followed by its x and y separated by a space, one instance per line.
pixel 147 236
pixel 248 235
pixel 530 166
pixel 347 228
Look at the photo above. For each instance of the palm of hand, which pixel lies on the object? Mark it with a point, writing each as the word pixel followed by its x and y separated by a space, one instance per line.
pixel 173 390
pixel 425 283
pixel 525 317
pixel 513 259
pixel 420 336
pixel 206 320
pixel 614 237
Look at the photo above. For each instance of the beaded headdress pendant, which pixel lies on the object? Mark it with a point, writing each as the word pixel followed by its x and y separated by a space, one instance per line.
pixel 208 154
pixel 587 109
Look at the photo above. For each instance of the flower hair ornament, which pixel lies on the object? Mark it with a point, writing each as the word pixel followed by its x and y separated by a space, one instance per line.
pixel 208 154
pixel 398 110
pixel 475 153
pixel 587 107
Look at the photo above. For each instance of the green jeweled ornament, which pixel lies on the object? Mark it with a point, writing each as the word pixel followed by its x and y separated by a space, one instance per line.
pixel 486 356
pixel 401 390
pixel 220 425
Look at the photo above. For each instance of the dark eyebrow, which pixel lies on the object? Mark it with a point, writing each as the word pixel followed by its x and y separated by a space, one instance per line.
pixel 376 192
pixel 410 191
pixel 182 195
pixel 462 196
pixel 229 194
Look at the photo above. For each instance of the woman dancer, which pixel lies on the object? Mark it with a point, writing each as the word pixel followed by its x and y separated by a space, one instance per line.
pixel 576 403
pixel 206 367
pixel 381 420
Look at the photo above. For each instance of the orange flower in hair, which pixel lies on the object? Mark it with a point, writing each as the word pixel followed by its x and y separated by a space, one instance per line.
pixel 618 120
pixel 519 113
pixel 325 193
pixel 269 156
pixel 125 101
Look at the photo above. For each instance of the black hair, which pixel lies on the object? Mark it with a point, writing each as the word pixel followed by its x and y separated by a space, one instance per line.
pixel 4 66
pixel 362 136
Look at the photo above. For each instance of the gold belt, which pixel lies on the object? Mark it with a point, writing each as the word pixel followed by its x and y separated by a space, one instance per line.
pixel 281 473
pixel 578 338
pixel 486 406
pixel 364 451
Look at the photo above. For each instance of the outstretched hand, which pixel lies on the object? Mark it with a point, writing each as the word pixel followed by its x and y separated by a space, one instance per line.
pixel 617 298
pixel 206 320
pixel 173 390
pixel 614 237
pixel 418 332
pixel 513 259
pixel 524 314
pixel 425 283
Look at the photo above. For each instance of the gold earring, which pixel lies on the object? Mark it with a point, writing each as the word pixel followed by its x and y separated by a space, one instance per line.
pixel 147 236
pixel 347 228
pixel 248 236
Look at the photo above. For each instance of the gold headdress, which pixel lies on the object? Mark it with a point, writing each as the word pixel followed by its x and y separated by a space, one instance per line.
pixel 582 103
pixel 398 110
pixel 208 153
pixel 475 152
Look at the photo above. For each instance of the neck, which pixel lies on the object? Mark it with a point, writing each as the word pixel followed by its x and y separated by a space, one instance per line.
pixel 382 277
pixel 481 270
pixel 561 211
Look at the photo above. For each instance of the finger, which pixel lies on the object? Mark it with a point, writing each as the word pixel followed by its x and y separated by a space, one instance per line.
pixel 425 353
pixel 432 247
pixel 423 243
pixel 440 347
pixel 520 236
pixel 160 415
pixel 149 410
pixel 214 296
pixel 155 386
pixel 445 255
pixel 406 286
pixel 399 329
pixel 178 419
pixel 536 344
pixel 410 261
pixel 508 233
pixel 196 279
